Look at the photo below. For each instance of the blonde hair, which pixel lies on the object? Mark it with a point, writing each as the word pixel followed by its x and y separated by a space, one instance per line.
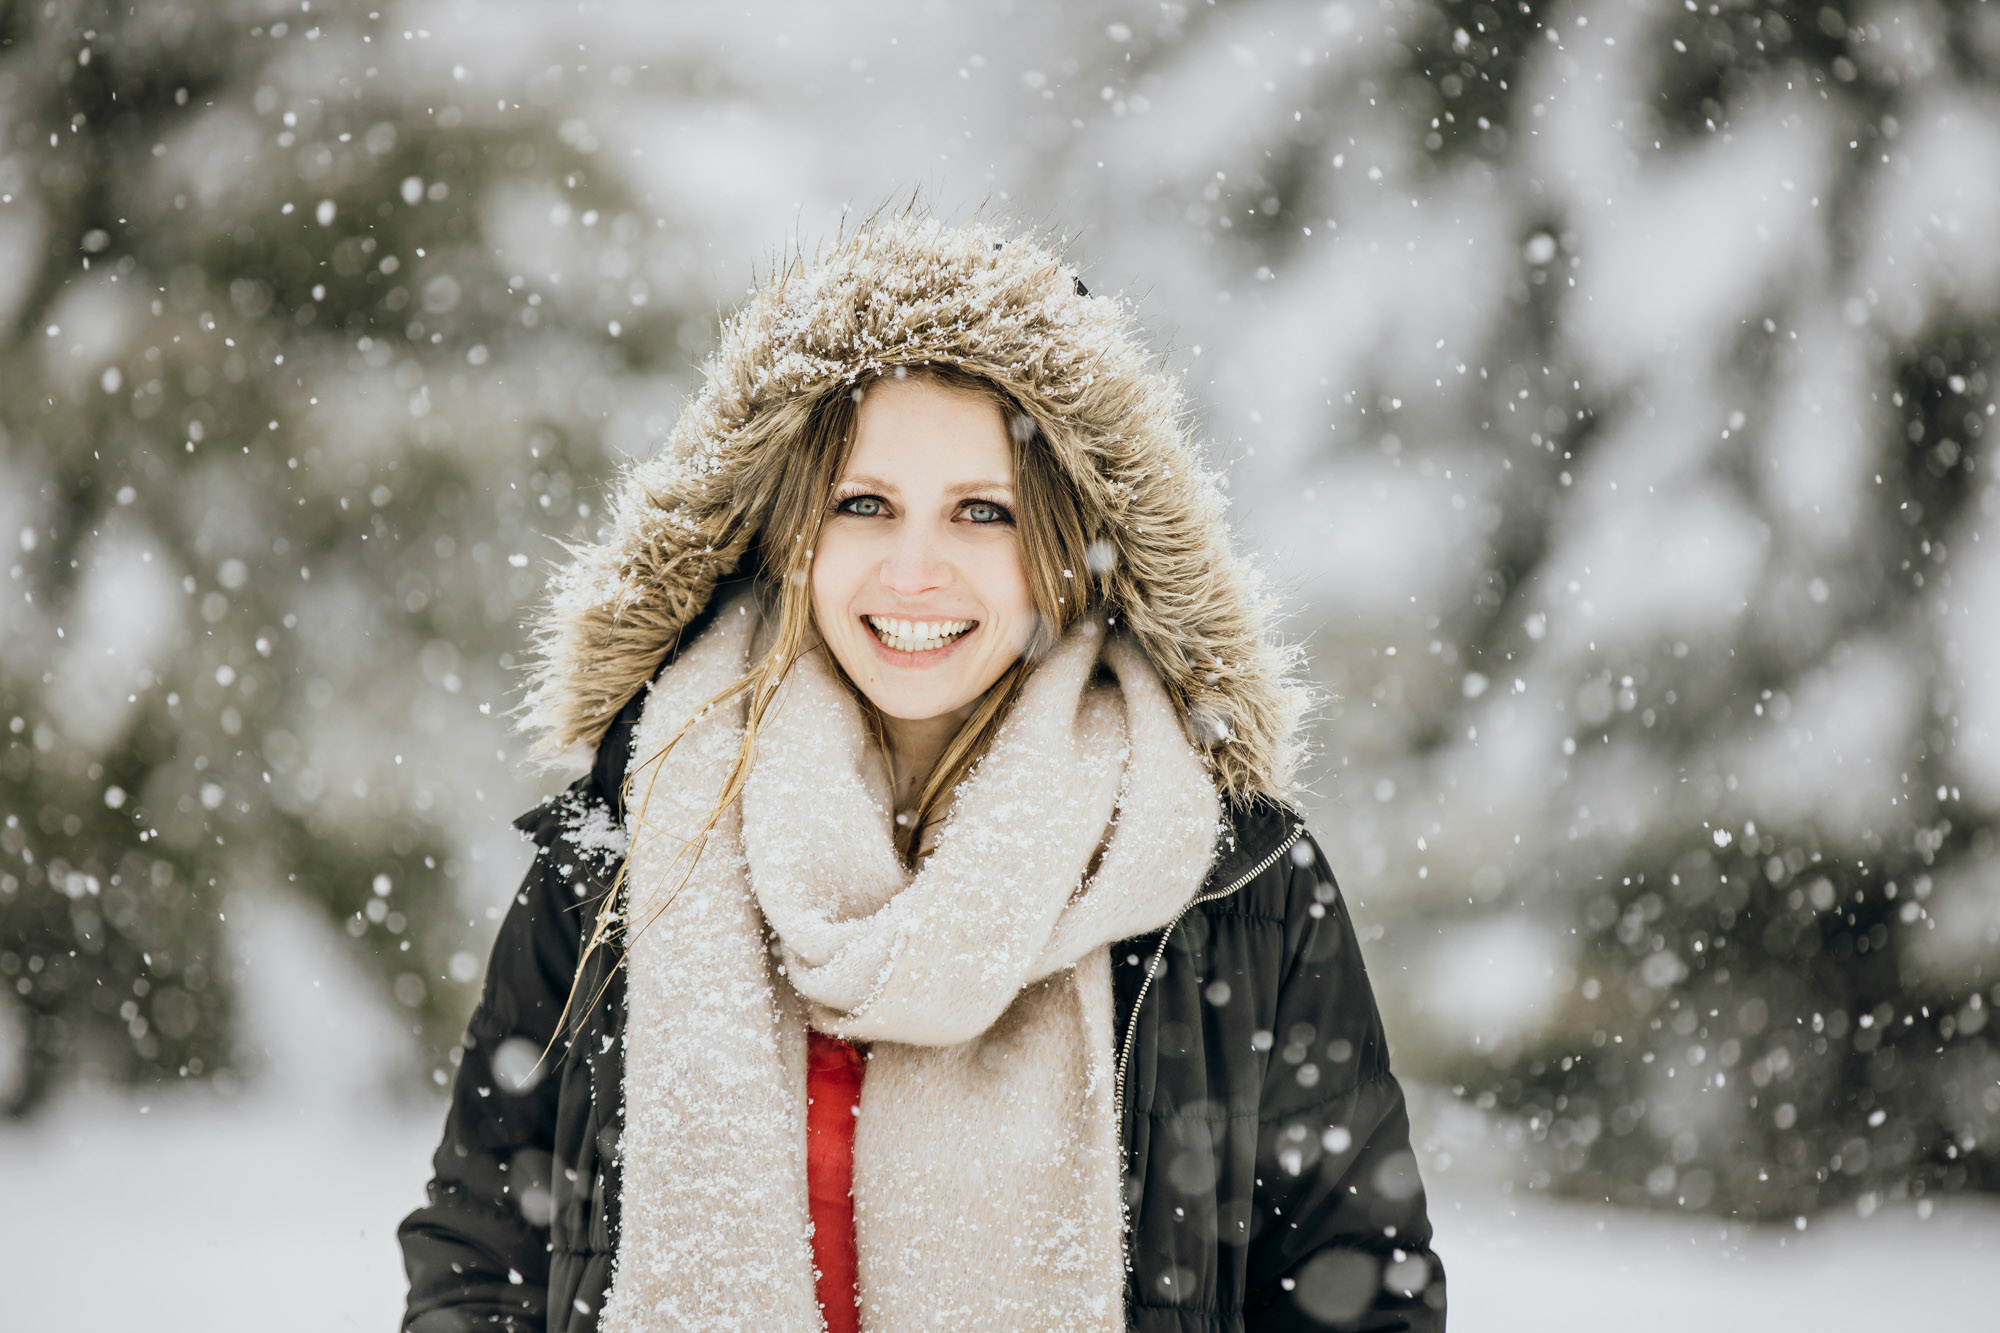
pixel 782 498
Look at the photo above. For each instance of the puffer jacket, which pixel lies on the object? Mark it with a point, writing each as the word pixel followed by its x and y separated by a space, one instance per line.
pixel 1268 1166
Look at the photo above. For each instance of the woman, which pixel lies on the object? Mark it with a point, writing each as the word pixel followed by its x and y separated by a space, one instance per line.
pixel 932 944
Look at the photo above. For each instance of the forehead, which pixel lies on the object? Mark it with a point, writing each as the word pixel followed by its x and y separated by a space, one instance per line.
pixel 915 432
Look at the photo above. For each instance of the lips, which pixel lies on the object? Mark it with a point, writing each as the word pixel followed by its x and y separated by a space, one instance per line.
pixel 918 636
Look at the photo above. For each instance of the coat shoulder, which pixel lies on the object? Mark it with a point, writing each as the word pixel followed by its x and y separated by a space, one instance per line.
pixel 1259 849
pixel 1273 878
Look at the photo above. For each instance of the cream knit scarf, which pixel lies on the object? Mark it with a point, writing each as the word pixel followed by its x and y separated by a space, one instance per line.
pixel 986 1158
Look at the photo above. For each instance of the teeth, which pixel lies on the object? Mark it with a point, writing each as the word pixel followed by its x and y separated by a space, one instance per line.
pixel 915 636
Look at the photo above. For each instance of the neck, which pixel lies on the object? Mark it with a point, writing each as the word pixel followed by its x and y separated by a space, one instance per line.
pixel 915 746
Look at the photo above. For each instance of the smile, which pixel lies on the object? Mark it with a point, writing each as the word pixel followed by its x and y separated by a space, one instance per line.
pixel 918 636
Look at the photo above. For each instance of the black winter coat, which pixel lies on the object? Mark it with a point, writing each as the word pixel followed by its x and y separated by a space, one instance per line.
pixel 1268 1165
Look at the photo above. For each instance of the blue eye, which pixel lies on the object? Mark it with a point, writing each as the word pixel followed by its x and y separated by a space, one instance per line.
pixel 864 506
pixel 985 511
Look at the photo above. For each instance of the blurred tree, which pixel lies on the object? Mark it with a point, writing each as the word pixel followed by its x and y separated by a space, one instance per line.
pixel 279 427
pixel 1614 382
pixel 1609 382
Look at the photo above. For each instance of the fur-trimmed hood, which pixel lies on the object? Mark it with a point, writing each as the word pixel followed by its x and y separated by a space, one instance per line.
pixel 909 290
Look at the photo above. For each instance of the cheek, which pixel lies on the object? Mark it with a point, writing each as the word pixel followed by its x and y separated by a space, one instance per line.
pixel 837 569
pixel 835 576
pixel 1005 584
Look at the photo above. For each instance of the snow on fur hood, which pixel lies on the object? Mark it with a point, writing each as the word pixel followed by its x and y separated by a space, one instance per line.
pixel 907 290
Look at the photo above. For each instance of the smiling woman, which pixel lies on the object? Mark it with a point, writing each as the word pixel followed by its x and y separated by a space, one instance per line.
pixel 921 555
pixel 956 946
pixel 920 576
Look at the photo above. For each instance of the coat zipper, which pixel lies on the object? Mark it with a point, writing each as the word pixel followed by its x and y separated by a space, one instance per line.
pixel 1160 951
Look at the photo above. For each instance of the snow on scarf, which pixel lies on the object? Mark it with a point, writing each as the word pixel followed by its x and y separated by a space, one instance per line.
pixel 987 1172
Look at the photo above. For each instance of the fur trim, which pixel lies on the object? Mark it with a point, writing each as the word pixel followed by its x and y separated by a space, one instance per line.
pixel 909 290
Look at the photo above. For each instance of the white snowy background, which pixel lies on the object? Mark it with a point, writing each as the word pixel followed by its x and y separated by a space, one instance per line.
pixel 1391 345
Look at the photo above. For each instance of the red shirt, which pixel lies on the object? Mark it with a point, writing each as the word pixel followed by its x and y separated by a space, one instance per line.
pixel 833 1095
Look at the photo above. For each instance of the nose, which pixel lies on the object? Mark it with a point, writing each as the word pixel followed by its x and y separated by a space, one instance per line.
pixel 915 564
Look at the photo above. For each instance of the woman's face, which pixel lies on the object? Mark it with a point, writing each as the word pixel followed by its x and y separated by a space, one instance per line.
pixel 917 583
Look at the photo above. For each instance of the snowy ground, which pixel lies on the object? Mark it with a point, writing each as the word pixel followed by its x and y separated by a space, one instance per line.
pixel 1533 1264
pixel 225 1217
pixel 207 1216
pixel 279 1207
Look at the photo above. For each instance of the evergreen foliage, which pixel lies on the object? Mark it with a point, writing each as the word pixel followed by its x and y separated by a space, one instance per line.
pixel 280 435
pixel 1608 383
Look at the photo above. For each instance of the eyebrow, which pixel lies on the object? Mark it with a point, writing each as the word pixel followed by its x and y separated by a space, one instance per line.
pixel 960 489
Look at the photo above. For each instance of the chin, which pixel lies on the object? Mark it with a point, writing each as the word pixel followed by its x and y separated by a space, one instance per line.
pixel 908 701
pixel 921 710
pixel 923 685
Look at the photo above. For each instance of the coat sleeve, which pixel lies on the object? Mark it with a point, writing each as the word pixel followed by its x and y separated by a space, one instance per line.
pixel 1341 1237
pixel 477 1254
